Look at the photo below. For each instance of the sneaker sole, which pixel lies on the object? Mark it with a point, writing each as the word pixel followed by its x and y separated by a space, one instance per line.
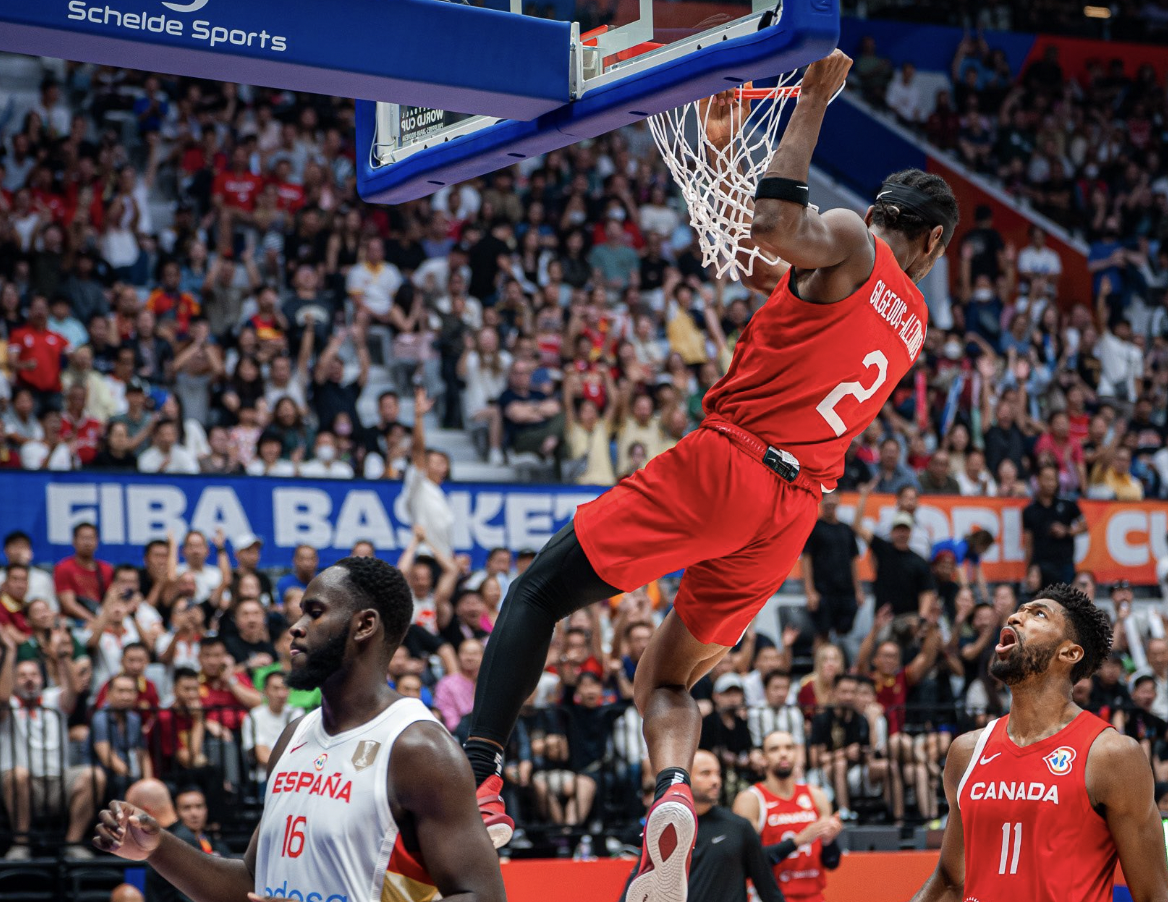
pixel 500 834
pixel 668 880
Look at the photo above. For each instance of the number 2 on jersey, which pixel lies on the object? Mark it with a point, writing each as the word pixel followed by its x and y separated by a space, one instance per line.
pixel 294 836
pixel 857 390
pixel 1006 856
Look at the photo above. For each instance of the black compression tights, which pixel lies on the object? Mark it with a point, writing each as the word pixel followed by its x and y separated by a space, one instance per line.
pixel 559 582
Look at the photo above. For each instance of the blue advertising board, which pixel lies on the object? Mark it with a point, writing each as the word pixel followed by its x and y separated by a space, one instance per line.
pixel 330 515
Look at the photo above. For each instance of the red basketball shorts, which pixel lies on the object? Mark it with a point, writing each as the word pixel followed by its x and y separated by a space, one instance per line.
pixel 710 508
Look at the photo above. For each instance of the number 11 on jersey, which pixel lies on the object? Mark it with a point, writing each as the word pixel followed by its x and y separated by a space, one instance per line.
pixel 1006 856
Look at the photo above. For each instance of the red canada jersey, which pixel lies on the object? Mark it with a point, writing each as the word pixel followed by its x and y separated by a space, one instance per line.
pixel 801 875
pixel 1030 829
pixel 808 378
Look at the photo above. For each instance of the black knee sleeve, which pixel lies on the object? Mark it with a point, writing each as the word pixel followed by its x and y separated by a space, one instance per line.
pixel 559 582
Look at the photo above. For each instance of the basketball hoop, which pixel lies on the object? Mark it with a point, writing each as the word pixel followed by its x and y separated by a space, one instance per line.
pixel 718 184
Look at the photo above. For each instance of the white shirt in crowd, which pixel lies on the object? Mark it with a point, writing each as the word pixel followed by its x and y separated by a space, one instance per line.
pixel 178 460
pixel 375 286
pixel 427 507
pixel 985 486
pixel 262 726
pixel 282 468
pixel 40 585
pixel 1121 363
pixel 207 580
pixel 36 456
pixel 33 739
pixel 484 385
pixel 334 469
pixel 1042 261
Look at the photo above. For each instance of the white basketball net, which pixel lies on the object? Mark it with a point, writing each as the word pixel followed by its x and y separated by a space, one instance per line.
pixel 719 184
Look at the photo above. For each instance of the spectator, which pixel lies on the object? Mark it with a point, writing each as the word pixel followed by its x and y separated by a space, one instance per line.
pixel 118 742
pixel 454 694
pixel 191 806
pixel 372 284
pixel 903 96
pixel 903 581
pixel 324 463
pixel 305 561
pixel 38 778
pixel 249 645
pixel 817 688
pixel 1036 259
pixel 18 550
pixel 269 462
pixel 776 714
pixel 248 548
pixel 615 264
pixel 533 421
pixel 35 353
pixel 1049 527
pixel 331 394
pixel 425 500
pixel 135 659
pixel 227 696
pixel 1066 452
pixel 14 602
pixel 81 580
pixel 892 475
pixel 1138 722
pixel 831 576
pixel 165 454
pixel 974 479
pixel 839 740
pixel 209 578
pixel 590 724
pixel 936 479
pixel 265 723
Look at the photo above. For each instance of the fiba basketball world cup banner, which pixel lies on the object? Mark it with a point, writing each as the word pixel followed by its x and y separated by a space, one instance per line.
pixel 1124 540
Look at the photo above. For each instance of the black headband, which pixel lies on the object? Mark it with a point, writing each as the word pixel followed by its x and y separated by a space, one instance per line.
pixel 916 201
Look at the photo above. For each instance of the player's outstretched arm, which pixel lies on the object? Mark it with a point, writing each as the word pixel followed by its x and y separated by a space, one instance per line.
pixel 1119 779
pixel 947 882
pixel 430 782
pixel 797 233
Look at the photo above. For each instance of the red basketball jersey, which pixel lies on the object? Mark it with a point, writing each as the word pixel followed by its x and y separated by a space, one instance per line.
pixel 800 876
pixel 808 378
pixel 1030 830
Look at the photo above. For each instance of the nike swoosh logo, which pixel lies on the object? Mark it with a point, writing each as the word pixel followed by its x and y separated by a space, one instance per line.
pixel 985 760
pixel 303 744
pixel 717 839
pixel 191 7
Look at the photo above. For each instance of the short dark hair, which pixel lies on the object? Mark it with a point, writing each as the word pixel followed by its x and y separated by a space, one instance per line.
pixel 1047 466
pixel 273 673
pixel 188 789
pixel 909 223
pixel 1089 627
pixel 785 674
pixel 84 524
pixel 384 588
pixel 23 567
pixel 185 673
pixel 840 677
pixel 154 543
pixel 123 676
pixel 210 642
pixel 1142 678
pixel 131 646
pixel 122 568
pixel 637 624
pixel 589 675
pixel 17 535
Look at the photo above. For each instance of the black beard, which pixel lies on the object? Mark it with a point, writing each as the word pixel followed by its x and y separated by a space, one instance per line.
pixel 782 772
pixel 1026 661
pixel 319 665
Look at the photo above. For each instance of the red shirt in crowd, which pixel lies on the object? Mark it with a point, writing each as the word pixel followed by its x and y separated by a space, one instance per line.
pixel 288 196
pixel 44 348
pixel 220 703
pixel 85 431
pixel 181 307
pixel 148 701
pixel 12 614
pixel 238 189
pixel 170 732
pixel 892 693
pixel 70 576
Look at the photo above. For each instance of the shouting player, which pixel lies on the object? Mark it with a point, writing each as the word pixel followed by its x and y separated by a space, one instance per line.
pixel 1043 800
pixel 794 821
pixel 368 796
pixel 734 501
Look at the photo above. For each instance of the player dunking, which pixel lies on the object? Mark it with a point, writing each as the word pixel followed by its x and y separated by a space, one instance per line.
pixel 368 797
pixel 794 821
pixel 734 501
pixel 1042 800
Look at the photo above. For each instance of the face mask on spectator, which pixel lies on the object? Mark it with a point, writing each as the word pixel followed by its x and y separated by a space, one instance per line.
pixel 326 453
pixel 617 213
pixel 952 350
pixel 343 428
pixel 983 294
pixel 576 217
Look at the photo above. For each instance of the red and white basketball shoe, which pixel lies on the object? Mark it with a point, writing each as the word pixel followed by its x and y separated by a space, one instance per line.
pixel 667 847
pixel 499 826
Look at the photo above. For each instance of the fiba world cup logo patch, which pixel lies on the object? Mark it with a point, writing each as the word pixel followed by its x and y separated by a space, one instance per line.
pixel 1059 761
pixel 320 761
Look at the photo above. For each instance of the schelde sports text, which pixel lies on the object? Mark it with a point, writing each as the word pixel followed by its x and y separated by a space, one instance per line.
pixel 201 29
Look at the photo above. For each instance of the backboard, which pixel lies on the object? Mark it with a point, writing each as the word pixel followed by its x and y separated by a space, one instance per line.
pixel 629 59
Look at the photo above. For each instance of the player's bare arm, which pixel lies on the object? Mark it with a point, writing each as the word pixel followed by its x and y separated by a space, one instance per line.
pixel 808 240
pixel 130 833
pixel 746 805
pixel 432 795
pixel 948 881
pixel 1120 785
